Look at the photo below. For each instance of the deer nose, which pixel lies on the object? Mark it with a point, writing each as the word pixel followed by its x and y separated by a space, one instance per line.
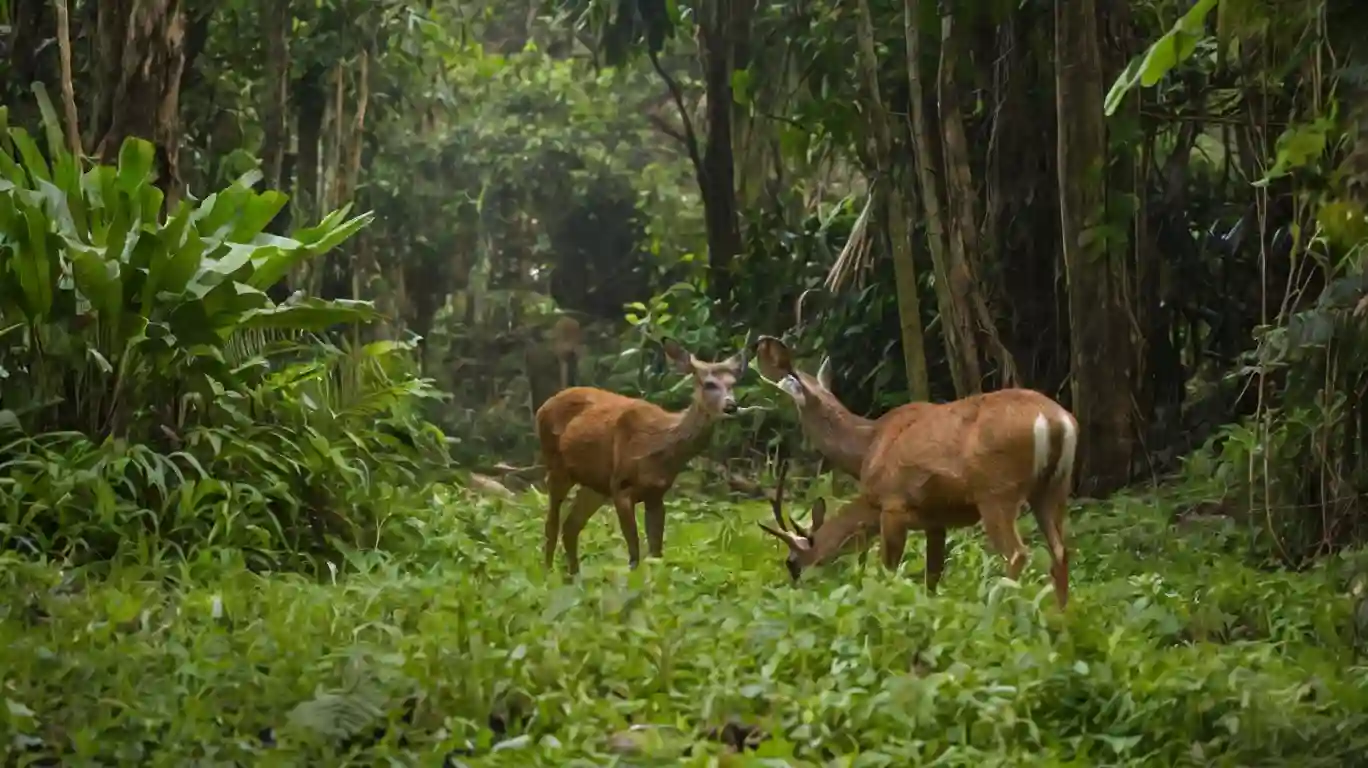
pixel 729 407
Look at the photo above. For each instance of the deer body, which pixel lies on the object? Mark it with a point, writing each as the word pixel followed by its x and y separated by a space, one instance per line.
pixel 626 451
pixel 933 467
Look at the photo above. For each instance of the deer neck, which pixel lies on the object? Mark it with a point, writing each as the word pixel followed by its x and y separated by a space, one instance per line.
pixel 685 436
pixel 843 533
pixel 839 435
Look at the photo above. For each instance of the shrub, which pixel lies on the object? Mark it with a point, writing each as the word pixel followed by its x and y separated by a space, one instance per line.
pixel 154 396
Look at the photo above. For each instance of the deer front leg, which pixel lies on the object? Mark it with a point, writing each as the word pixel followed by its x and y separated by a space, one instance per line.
pixel 893 527
pixel 626 514
pixel 935 557
pixel 655 526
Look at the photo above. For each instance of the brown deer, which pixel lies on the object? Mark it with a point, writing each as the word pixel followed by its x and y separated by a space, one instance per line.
pixel 627 450
pixel 841 436
pixel 566 340
pixel 933 467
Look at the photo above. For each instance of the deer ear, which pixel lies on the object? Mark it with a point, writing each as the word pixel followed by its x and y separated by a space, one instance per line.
pixel 824 374
pixel 818 513
pixel 774 358
pixel 679 356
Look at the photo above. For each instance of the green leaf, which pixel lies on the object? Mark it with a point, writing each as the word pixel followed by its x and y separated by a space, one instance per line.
pixel 312 315
pixel 33 160
pixel 135 163
pixel 1174 47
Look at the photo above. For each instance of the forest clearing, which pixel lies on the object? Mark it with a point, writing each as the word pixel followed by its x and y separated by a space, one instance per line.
pixel 641 382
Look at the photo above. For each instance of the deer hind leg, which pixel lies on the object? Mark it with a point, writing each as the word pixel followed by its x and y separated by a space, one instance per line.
pixel 999 522
pixel 655 525
pixel 587 502
pixel 558 486
pixel 893 528
pixel 626 514
pixel 1049 507
pixel 935 557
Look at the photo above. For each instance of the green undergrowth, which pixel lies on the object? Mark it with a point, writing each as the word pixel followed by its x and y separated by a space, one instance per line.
pixel 1171 653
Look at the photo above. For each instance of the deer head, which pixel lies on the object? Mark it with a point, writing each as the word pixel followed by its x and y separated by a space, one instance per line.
pixel 802 554
pixel 776 368
pixel 714 383
pixel 841 436
pixel 853 528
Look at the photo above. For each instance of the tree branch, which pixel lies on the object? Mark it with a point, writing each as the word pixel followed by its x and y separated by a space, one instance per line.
pixel 690 138
pixel 73 128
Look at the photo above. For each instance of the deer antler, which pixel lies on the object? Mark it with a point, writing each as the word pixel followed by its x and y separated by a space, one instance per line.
pixel 785 522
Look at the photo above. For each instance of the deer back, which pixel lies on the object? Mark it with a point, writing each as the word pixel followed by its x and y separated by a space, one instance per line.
pixel 943 456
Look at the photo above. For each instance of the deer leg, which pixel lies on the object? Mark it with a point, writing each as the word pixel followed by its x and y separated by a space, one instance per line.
pixel 587 502
pixel 655 526
pixel 935 557
pixel 893 527
pixel 557 487
pixel 1049 509
pixel 626 514
pixel 999 522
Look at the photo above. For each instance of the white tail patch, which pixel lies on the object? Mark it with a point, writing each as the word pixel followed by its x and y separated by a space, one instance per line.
pixel 1064 468
pixel 1041 454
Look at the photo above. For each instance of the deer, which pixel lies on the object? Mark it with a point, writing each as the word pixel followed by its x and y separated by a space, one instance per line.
pixel 840 436
pixel 627 451
pixel 566 341
pixel 937 466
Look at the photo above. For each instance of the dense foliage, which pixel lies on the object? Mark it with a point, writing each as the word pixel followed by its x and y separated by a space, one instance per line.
pixel 483 659
pixel 282 285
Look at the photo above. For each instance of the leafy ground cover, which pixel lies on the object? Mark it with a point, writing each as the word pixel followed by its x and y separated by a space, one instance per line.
pixel 1172 653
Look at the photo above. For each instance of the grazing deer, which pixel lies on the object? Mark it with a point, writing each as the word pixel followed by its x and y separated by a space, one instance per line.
pixel 841 436
pixel 933 467
pixel 627 450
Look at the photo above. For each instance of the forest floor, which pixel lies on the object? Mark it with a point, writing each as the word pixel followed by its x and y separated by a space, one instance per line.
pixel 1171 652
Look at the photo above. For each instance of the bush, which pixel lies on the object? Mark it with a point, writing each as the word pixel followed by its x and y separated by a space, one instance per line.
pixel 1168 654
pixel 154 396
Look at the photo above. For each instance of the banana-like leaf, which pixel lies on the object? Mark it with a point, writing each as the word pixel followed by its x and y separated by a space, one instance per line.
pixel 312 314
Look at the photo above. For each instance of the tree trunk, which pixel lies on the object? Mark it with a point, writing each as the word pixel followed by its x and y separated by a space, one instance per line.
pixel 1098 313
pixel 141 53
pixel 722 25
pixel 956 319
pixel 966 247
pixel 895 217
pixel 32 22
pixel 277 21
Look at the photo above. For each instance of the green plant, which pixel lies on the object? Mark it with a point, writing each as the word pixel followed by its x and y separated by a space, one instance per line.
pixel 466 651
pixel 155 397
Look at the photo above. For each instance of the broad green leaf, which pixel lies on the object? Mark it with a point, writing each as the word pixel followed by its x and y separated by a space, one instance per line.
pixel 98 279
pixel 1163 55
pixel 34 162
pixel 135 163
pixel 257 212
pixel 52 125
pixel 312 315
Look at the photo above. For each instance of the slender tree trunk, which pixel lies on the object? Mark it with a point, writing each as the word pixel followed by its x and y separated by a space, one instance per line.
pixel 895 216
pixel 1099 316
pixel 956 319
pixel 277 21
pixel 719 30
pixel 142 57
pixel 31 23
pixel 966 247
